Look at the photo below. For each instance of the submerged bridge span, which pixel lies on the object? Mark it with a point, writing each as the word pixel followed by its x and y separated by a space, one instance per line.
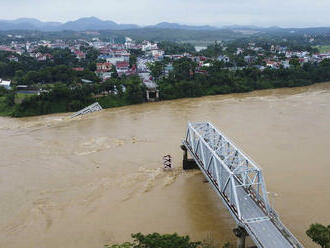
pixel 239 183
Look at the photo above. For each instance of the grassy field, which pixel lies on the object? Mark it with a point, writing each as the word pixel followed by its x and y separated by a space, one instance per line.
pixel 19 97
pixel 7 111
pixel 323 49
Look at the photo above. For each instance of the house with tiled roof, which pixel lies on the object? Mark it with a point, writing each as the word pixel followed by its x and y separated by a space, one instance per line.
pixel 122 67
pixel 103 67
pixel 80 55
pixel 43 57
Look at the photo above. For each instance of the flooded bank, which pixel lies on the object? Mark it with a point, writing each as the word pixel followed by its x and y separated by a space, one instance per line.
pixel 96 179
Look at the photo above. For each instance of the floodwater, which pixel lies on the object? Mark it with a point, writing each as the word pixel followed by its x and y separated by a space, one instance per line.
pixel 96 179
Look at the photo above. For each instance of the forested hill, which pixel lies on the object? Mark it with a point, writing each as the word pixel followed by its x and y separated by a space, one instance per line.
pixel 153 34
pixel 320 35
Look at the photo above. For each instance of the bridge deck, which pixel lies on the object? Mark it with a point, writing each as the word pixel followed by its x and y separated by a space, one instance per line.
pixel 265 230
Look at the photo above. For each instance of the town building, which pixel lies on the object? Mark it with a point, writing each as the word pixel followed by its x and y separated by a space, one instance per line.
pixel 5 83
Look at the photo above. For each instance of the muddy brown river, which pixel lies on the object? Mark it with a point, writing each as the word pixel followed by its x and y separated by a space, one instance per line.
pixel 96 179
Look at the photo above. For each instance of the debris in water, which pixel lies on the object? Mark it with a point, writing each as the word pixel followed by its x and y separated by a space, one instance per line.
pixel 91 108
pixel 167 162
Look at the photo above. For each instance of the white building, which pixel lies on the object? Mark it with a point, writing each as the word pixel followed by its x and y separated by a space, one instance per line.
pixel 129 43
pixel 286 64
pixel 147 45
pixel 114 60
pixel 156 53
pixel 5 84
pixel 223 58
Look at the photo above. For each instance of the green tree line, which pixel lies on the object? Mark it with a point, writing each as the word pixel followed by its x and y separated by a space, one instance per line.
pixel 60 98
pixel 183 81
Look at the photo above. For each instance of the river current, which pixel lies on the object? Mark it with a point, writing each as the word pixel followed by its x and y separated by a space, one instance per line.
pixel 96 179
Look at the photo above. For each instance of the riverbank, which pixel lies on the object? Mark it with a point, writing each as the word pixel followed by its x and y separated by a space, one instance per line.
pixel 31 107
pixel 182 82
pixel 44 106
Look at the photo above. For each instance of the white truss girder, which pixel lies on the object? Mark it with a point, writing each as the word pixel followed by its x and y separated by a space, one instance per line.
pixel 239 182
pixel 226 164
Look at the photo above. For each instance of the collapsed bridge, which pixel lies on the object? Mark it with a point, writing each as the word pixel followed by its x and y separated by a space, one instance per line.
pixel 240 185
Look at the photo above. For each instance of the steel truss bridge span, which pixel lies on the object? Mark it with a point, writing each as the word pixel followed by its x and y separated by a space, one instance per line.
pixel 240 185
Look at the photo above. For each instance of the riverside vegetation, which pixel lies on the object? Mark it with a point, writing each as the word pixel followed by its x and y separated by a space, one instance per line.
pixel 319 233
pixel 182 82
pixel 166 241
pixel 63 89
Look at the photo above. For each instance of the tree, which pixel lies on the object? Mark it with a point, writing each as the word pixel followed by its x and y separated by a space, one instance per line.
pixel 3 91
pixel 10 99
pixel 19 75
pixel 294 62
pixel 114 73
pixel 163 241
pixel 319 234
pixel 92 66
pixel 325 63
pixel 213 50
pixel 160 241
pixel 227 245
pixel 184 68
pixel 91 54
pixel 156 240
pixel 156 69
pixel 4 70
pixel 176 48
pixel 134 91
pixel 132 60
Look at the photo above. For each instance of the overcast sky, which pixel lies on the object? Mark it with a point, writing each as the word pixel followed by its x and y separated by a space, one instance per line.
pixel 284 13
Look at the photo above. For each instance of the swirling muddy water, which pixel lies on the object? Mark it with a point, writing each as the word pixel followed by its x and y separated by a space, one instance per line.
pixel 96 179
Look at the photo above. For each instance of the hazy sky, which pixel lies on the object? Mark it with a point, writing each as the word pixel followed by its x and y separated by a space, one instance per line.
pixel 285 13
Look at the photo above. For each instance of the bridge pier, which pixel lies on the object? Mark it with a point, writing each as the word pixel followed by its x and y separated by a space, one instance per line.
pixel 241 234
pixel 188 164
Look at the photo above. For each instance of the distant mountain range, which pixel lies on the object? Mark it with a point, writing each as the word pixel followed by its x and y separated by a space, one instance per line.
pixel 96 24
pixel 82 24
pixel 91 23
pixel 168 25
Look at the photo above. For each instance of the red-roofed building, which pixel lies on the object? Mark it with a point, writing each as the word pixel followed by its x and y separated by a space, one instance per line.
pixel 131 71
pixel 78 69
pixel 103 67
pixel 79 54
pixel 272 64
pixel 6 49
pixel 12 58
pixel 122 67
pixel 106 50
pixel 43 57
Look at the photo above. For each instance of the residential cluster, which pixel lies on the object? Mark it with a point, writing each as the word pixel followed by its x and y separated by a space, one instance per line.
pixel 133 58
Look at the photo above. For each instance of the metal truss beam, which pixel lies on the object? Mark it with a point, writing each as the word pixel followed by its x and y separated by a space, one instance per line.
pixel 238 181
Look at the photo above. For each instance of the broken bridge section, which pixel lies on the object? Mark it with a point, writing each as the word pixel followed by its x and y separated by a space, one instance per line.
pixel 91 108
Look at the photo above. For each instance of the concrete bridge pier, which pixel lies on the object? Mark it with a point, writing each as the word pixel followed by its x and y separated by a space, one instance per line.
pixel 241 234
pixel 188 164
pixel 152 95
